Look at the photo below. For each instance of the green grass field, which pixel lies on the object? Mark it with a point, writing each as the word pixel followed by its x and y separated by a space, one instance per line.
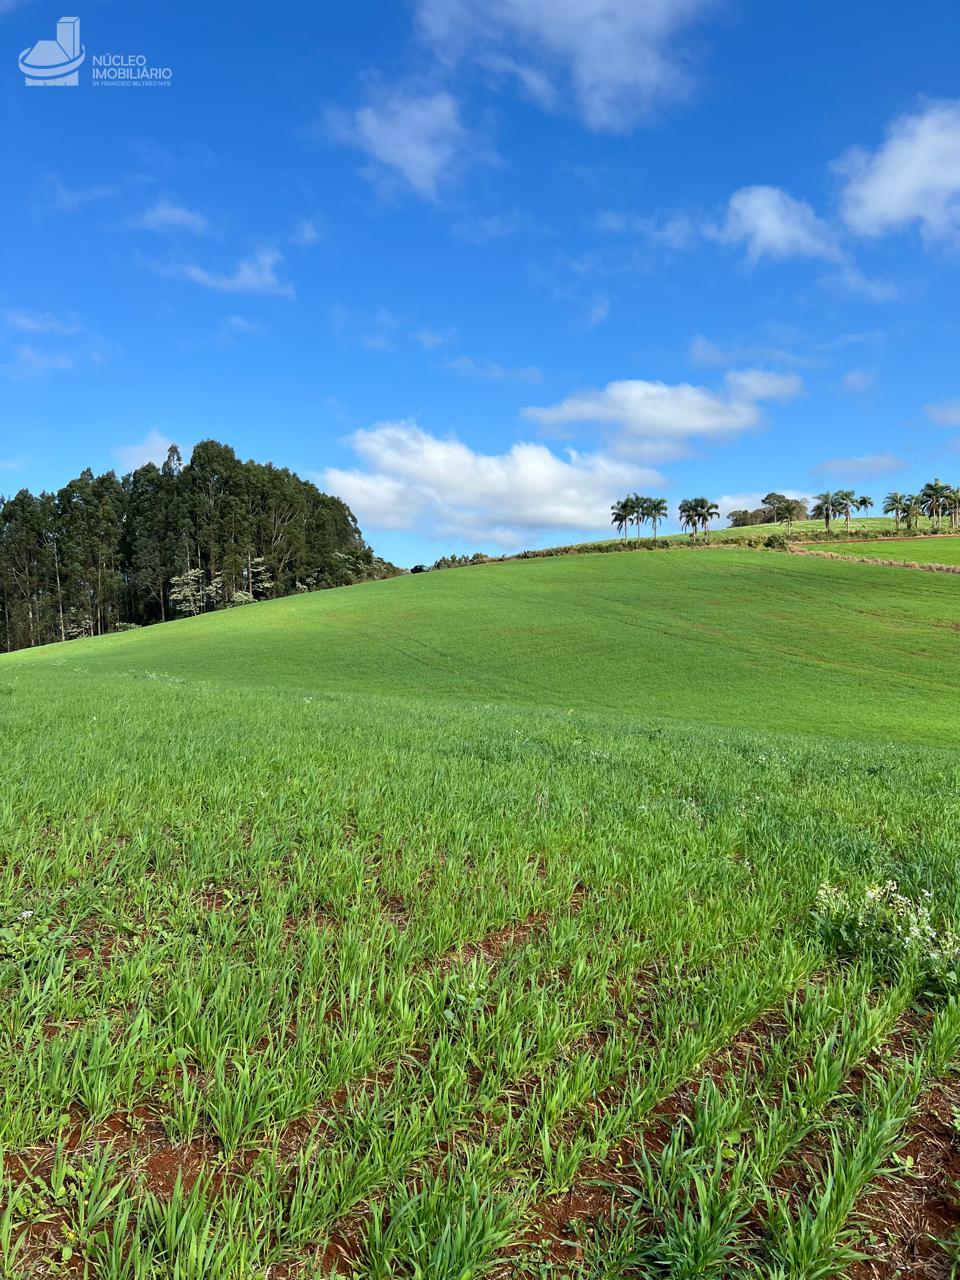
pixel 861 525
pixel 467 925
pixel 943 549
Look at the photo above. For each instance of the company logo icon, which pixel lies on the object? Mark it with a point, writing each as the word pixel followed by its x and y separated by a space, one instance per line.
pixel 55 62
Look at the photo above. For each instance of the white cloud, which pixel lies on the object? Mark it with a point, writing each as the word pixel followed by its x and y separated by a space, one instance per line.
pixel 70 198
pixel 240 324
pixel 945 413
pixel 597 313
pixel 749 385
pixel 8 464
pixel 772 224
pixel 533 83
pixel 664 231
pixel 31 362
pixel 429 339
pixel 443 487
pixel 255 274
pixel 658 419
pixel 235 328
pixel 153 448
pixel 616 58
pixel 167 215
pixel 487 228
pixel 703 351
pixel 857 381
pixel 912 177
pixel 417 139
pixel 40 322
pixel 852 279
pixel 489 370
pixel 305 232
pixel 864 465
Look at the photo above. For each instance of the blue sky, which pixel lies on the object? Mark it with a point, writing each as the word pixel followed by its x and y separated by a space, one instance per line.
pixel 482 266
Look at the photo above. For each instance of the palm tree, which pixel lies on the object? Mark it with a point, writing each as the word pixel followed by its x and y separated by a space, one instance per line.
pixel 689 519
pixel 863 503
pixel 893 505
pixel 933 496
pixel 912 511
pixel 846 500
pixel 620 516
pixel 825 507
pixel 657 510
pixel 953 506
pixel 708 511
pixel 696 513
pixel 638 507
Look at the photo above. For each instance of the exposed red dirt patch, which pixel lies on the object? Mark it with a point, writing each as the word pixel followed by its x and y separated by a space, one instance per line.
pixel 909 1212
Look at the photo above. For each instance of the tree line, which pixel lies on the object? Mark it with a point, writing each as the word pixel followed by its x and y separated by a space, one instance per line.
pixel 107 553
pixel 936 500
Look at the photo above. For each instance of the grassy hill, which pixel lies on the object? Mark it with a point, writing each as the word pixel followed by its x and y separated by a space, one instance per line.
pixel 380 932
pixel 742 638
pixel 758 532
pixel 942 549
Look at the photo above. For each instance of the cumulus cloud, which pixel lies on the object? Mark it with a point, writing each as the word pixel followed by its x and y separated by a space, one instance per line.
pixel 152 448
pixel 912 178
pixel 658 420
pixel 769 223
pixel 862 465
pixel 167 215
pixel 413 479
pixel 945 413
pixel 255 274
pixel 617 59
pixel 416 139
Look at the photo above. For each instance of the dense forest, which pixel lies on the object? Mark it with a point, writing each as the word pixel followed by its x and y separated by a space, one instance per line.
pixel 106 553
